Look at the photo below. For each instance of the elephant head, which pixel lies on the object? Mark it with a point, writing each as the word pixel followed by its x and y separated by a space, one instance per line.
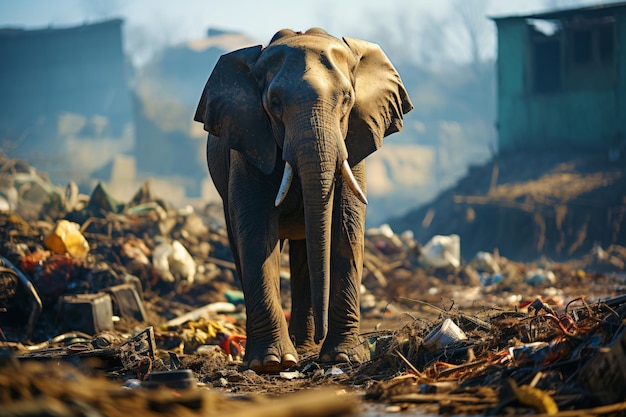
pixel 317 103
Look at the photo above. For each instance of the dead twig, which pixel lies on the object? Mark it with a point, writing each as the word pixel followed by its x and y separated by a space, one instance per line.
pixel 410 365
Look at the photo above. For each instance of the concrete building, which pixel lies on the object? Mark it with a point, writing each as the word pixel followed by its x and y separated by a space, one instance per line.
pixel 66 103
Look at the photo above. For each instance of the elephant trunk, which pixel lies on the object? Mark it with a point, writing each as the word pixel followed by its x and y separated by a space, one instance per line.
pixel 318 179
pixel 319 157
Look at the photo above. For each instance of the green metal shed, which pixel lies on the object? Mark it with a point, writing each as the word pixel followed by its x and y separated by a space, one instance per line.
pixel 562 79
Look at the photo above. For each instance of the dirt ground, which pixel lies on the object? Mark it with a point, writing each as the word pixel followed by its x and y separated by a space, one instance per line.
pixel 557 205
pixel 485 334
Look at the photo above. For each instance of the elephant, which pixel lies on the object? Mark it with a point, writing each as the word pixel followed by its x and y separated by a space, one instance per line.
pixel 289 126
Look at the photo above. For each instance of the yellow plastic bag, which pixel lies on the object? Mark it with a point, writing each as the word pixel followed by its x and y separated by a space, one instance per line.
pixel 67 238
pixel 534 397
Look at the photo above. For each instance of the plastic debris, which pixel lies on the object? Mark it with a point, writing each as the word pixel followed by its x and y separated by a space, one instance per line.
pixel 485 262
pixel 333 371
pixel 88 313
pixel 292 375
pixel 66 237
pixel 9 196
pixel 235 297
pixel 534 397
pixel 181 379
pixel 384 239
pixel 202 312
pixel 442 252
pixel 444 335
pixel 539 277
pixel 605 374
pixel 173 262
pixel 19 296
pixel 234 346
pixel 139 348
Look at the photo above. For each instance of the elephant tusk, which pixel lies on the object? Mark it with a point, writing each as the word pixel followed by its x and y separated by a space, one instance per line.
pixel 348 177
pixel 284 185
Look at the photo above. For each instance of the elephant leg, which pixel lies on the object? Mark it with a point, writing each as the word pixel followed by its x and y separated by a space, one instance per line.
pixel 343 343
pixel 301 325
pixel 254 226
pixel 218 161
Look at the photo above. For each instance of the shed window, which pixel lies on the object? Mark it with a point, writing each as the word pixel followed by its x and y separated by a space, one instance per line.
pixel 545 37
pixel 591 42
pixel 547 66
pixel 582 51
pixel 606 44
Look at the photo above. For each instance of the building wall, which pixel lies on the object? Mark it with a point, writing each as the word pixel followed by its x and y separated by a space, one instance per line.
pixel 585 113
pixel 63 87
pixel 512 110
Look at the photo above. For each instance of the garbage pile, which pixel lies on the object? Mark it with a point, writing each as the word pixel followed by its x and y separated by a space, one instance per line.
pixel 140 296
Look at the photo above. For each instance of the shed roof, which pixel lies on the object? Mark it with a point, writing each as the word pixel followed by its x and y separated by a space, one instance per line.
pixel 18 32
pixel 598 9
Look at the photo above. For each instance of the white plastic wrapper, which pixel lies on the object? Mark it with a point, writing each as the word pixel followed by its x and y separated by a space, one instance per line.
pixel 172 260
pixel 442 252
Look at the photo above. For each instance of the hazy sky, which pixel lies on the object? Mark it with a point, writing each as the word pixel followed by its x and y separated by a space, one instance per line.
pixel 152 23
pixel 259 19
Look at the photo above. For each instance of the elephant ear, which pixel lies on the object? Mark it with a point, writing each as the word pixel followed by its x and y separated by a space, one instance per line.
pixel 381 100
pixel 230 107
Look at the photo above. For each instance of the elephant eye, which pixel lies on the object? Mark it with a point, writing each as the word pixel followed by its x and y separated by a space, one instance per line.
pixel 276 106
pixel 347 99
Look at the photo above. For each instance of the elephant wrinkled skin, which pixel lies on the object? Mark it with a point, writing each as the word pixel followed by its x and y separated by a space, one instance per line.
pixel 289 127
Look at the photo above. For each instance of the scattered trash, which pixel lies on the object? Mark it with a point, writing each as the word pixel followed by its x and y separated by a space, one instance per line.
pixel 234 296
pixel 132 384
pixel 605 373
pixel 485 262
pixel 540 277
pixel 534 397
pixel 173 261
pixel 126 302
pixel 198 313
pixel 138 349
pixel 182 379
pixel 445 334
pixel 88 313
pixel 333 371
pixel 385 240
pixel 19 294
pixel 442 252
pixel 67 238
pixel 291 375
pixel 8 193
pixel 151 300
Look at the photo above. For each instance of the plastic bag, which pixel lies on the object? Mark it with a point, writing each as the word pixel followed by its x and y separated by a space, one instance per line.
pixel 442 252
pixel 67 238
pixel 173 261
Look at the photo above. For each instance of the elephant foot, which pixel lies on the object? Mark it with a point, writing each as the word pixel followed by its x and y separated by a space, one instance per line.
pixel 351 350
pixel 272 364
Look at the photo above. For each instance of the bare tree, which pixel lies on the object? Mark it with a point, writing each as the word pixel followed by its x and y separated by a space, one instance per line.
pixel 408 34
pixel 470 33
pixel 418 35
